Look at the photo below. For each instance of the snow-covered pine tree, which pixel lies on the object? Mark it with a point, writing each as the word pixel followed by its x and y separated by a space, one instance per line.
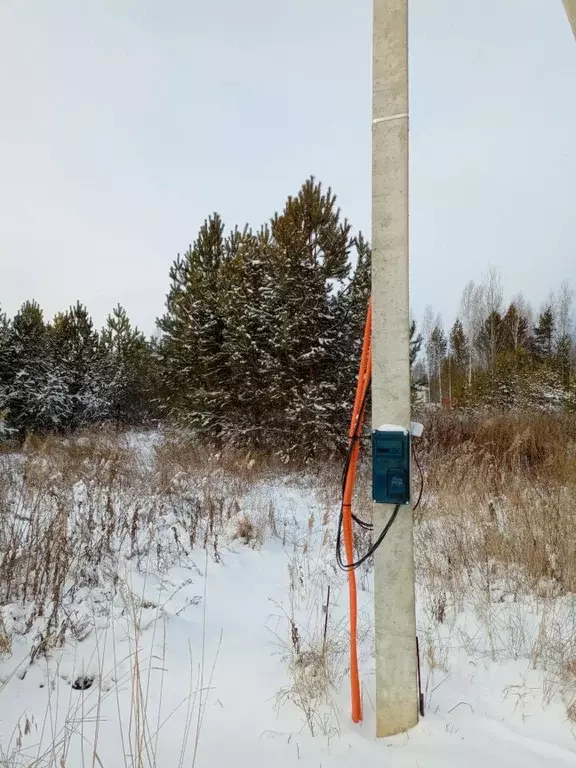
pixel 437 347
pixel 190 351
pixel 417 378
pixel 250 311
pixel 458 363
pixel 416 341
pixel 127 361
pixel 33 396
pixel 4 339
pixel 78 363
pixel 352 305
pixel 310 260
pixel 4 371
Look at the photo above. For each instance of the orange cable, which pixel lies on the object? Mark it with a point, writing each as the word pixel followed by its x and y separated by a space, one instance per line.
pixel 356 423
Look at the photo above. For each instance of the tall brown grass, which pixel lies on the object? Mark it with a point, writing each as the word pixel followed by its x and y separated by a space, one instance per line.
pixel 73 513
pixel 72 509
pixel 497 527
pixel 541 443
pixel 503 490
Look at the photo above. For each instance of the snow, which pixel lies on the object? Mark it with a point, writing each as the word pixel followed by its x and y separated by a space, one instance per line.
pixel 212 633
pixel 392 428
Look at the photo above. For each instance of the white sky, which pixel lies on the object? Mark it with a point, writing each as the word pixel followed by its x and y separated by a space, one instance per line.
pixel 123 123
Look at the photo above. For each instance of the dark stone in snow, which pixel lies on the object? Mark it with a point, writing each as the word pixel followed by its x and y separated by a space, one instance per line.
pixel 82 683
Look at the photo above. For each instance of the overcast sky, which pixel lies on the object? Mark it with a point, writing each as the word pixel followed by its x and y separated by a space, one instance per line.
pixel 123 123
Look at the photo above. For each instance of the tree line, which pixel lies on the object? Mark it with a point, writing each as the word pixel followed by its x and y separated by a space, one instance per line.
pixel 502 356
pixel 260 340
pixel 64 374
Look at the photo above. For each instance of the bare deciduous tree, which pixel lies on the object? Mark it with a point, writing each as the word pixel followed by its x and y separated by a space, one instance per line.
pixel 473 313
pixel 493 296
pixel 563 309
pixel 427 328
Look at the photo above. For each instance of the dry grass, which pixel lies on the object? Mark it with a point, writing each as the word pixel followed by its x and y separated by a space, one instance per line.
pixel 311 662
pixel 542 444
pixel 501 505
pixel 81 735
pixel 496 533
pixel 313 650
pixel 178 451
pixel 76 515
pixel 494 542
pixel 71 510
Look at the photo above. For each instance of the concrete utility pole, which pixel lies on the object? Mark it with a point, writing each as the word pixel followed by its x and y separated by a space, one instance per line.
pixel 395 621
pixel 570 6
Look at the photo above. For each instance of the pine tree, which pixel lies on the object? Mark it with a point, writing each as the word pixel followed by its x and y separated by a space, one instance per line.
pixel 310 261
pixel 350 311
pixel 515 330
pixel 436 351
pixel 33 399
pixel 4 370
pixel 459 356
pixel 358 296
pixel 459 346
pixel 78 363
pixel 416 342
pixel 190 352
pixel 127 362
pixel 250 312
pixel 543 344
pixel 4 344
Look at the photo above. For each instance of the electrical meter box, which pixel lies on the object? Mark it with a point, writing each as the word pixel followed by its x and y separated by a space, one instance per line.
pixel 391 465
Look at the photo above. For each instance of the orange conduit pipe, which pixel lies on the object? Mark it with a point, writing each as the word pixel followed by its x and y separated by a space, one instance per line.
pixel 354 434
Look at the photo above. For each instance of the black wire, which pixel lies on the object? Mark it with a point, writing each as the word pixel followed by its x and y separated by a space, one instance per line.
pixel 415 507
pixel 352 566
pixel 356 436
pixel 367 526
pixel 362 523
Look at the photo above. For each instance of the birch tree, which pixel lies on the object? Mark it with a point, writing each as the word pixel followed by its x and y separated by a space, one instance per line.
pixel 472 313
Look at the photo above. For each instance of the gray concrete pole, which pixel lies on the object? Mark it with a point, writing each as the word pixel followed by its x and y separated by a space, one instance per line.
pixel 570 6
pixel 395 622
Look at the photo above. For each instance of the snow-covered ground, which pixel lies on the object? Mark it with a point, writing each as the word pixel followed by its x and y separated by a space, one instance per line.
pixel 193 660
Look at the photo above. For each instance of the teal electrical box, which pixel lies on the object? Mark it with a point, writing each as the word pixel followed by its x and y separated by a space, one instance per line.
pixel 391 466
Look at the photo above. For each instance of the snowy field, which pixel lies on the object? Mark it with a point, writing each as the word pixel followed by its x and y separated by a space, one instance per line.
pixel 179 620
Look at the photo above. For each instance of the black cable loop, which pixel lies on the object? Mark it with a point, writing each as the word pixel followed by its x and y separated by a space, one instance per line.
pixel 362 523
